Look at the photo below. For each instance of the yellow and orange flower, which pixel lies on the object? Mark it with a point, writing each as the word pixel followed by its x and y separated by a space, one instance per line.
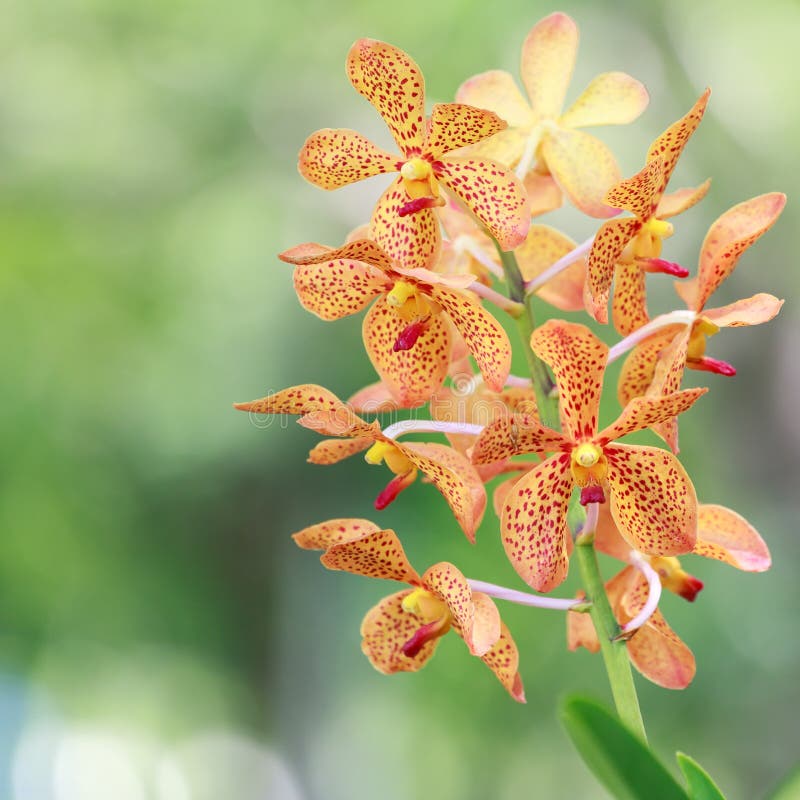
pixel 403 630
pixel 320 410
pixel 627 248
pixel 542 140
pixel 406 332
pixel 655 649
pixel 652 498
pixel 403 222
pixel 656 365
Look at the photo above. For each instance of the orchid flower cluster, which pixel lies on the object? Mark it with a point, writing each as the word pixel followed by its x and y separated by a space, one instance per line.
pixel 452 241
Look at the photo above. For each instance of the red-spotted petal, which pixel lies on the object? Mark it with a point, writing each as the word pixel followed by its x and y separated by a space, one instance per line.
pixel 336 289
pixel 483 334
pixel 492 194
pixel 334 531
pixel 503 660
pixel 629 303
pixel 607 538
pixel 450 586
pixel 581 631
pixel 332 158
pixel 385 629
pixel 453 475
pixel 533 524
pixel 639 367
pixel 652 499
pixel 643 412
pixel 412 241
pixel 375 555
pixel 548 58
pixel 667 378
pixel 454 125
pixel 578 360
pixel 639 194
pixel 393 83
pixel 514 435
pixel 486 625
pixel 681 200
pixel 332 451
pixel 727 536
pixel 752 311
pixel 497 90
pixel 584 168
pixel 541 249
pixel 373 399
pixel 412 375
pixel 669 145
pixel 612 98
pixel 607 248
pixel 358 249
pixel 302 399
pixel 727 238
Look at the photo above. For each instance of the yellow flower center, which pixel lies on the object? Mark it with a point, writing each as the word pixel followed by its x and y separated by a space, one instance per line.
pixel 647 243
pixel 390 454
pixel 588 464
pixel 674 579
pixel 427 606
pixel 659 227
pixel 401 291
pixel 697 342
pixel 419 180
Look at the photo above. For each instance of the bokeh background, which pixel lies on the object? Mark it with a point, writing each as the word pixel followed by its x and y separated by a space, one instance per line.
pixel 160 635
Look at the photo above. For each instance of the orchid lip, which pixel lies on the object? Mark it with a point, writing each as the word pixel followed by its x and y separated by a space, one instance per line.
pixel 715 365
pixel 417 204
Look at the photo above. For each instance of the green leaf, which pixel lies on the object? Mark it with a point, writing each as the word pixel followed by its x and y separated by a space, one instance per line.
pixel 619 759
pixel 789 788
pixel 700 785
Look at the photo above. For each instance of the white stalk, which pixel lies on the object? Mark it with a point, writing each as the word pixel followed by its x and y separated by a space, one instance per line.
pixel 524 598
pixel 653 596
pixel 430 426
pixel 559 266
pixel 466 244
pixel 679 317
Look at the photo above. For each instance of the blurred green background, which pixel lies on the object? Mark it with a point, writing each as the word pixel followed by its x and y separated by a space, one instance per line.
pixel 160 635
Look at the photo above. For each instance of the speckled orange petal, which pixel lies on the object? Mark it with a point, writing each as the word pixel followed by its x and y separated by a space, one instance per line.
pixel 548 58
pixel 640 365
pixel 385 629
pixel 376 555
pixel 334 531
pixel 503 660
pixel 652 499
pixel 638 194
pixel 667 378
pixel 578 360
pixel 681 200
pixel 342 421
pixel 534 523
pixel 333 158
pixel 373 399
pixel 412 241
pixel 501 492
pixel 393 83
pixel 608 245
pixel 629 303
pixel 541 249
pixel 505 147
pixel 450 586
pixel 492 194
pixel 544 194
pixel 332 451
pixel 359 249
pixel 752 311
pixel 302 399
pixel 583 167
pixel 411 375
pixel 660 655
pixel 643 412
pixel 453 475
pixel 612 98
pixel 454 125
pixel 514 435
pixel 497 90
pixel 726 536
pixel 669 145
pixel 581 631
pixel 607 538
pixel 727 238
pixel 486 626
pixel 483 334
pixel 336 289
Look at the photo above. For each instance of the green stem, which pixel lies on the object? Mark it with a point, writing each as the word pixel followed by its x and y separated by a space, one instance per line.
pixel 543 386
pixel 615 652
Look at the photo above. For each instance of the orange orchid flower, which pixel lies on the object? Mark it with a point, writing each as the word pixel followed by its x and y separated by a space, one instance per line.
pixel 628 248
pixel 403 222
pixel 320 410
pixel 403 630
pixel 656 365
pixel 652 498
pixel 406 332
pixel 654 648
pixel 543 136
